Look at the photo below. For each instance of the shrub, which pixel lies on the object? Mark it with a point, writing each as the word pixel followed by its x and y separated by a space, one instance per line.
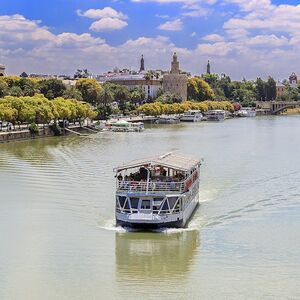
pixel 33 128
pixel 56 129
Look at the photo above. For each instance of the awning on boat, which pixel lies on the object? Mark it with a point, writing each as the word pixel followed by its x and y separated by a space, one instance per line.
pixel 171 160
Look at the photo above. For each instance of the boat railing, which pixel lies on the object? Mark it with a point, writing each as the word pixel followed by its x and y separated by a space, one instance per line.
pixel 153 186
pixel 154 211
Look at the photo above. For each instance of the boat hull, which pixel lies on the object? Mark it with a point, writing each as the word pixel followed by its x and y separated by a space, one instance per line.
pixel 149 226
pixel 180 222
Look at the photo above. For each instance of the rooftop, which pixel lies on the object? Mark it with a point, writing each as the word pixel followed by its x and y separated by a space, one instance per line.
pixel 169 160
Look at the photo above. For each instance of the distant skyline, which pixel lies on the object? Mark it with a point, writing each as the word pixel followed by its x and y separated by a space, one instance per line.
pixel 241 38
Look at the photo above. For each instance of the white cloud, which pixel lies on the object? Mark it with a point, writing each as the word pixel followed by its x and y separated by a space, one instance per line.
pixel 106 12
pixel 108 24
pixel 262 15
pixel 213 38
pixel 108 19
pixel 175 25
pixel 191 8
pixel 267 40
pixel 162 16
pixel 27 45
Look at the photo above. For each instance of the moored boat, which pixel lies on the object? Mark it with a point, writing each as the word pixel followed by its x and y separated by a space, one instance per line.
pixel 163 119
pixel 155 192
pixel 191 116
pixel 124 126
pixel 247 112
pixel 215 115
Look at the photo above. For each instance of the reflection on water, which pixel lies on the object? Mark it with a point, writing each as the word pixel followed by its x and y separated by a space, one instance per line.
pixel 159 256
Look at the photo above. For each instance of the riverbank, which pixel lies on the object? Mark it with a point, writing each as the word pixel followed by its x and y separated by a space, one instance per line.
pixel 25 134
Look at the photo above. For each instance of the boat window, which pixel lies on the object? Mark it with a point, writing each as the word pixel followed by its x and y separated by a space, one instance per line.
pixel 172 201
pixel 157 201
pixel 122 200
pixel 145 204
pixel 134 202
pixel 127 205
pixel 165 206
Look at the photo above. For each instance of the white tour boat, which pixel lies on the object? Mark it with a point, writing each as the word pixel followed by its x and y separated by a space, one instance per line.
pixel 215 115
pixel 161 191
pixel 124 126
pixel 191 116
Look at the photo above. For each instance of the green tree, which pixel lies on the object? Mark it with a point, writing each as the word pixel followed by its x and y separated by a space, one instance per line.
pixel 3 88
pixel 260 89
pixel 137 95
pixel 90 90
pixel 51 88
pixel 72 93
pixel 15 91
pixel 270 89
pixel 199 90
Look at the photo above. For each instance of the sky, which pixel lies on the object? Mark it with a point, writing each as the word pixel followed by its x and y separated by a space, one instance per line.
pixel 241 38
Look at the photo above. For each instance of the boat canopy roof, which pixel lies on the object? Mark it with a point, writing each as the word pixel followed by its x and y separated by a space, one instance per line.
pixel 171 160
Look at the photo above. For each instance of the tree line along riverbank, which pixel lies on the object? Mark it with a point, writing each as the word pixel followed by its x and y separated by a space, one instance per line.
pixel 31 111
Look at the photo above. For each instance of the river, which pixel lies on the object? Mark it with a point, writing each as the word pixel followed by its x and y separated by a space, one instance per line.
pixel 57 234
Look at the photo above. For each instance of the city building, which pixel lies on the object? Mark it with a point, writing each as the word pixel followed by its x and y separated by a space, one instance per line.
pixel 175 82
pixel 280 88
pixel 293 80
pixel 132 79
pixel 2 70
pixel 150 87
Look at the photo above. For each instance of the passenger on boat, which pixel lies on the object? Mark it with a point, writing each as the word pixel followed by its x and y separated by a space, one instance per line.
pixel 163 171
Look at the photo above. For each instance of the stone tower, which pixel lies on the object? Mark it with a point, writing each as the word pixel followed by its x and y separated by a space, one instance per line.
pixel 208 68
pixel 293 79
pixel 174 82
pixel 142 67
pixel 175 65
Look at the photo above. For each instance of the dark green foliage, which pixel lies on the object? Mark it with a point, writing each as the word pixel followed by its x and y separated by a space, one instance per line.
pixel 56 129
pixel 52 88
pixel 33 128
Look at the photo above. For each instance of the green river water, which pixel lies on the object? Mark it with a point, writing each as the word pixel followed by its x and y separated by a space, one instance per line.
pixel 57 233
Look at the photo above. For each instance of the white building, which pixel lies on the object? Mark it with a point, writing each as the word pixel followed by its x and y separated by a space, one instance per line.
pixel 150 87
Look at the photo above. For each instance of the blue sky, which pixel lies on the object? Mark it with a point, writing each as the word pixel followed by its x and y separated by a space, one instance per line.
pixel 242 38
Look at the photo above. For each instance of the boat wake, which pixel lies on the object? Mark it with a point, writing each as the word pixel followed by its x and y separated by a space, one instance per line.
pixel 110 226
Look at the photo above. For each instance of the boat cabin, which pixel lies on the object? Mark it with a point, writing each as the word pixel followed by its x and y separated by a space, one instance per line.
pixel 156 185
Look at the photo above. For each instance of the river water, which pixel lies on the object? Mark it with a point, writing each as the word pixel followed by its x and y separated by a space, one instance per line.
pixel 57 235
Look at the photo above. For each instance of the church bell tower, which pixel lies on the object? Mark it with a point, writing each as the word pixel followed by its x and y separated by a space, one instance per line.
pixel 142 67
pixel 208 68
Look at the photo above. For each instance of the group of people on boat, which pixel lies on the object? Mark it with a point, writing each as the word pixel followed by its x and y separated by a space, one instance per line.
pixel 158 179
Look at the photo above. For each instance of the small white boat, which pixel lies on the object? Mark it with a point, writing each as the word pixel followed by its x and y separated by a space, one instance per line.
pixel 124 126
pixel 191 116
pixel 247 112
pixel 163 119
pixel 155 192
pixel 215 115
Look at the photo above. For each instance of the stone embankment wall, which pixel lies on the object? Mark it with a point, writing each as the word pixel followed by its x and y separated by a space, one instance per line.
pixel 26 135
pixel 23 135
